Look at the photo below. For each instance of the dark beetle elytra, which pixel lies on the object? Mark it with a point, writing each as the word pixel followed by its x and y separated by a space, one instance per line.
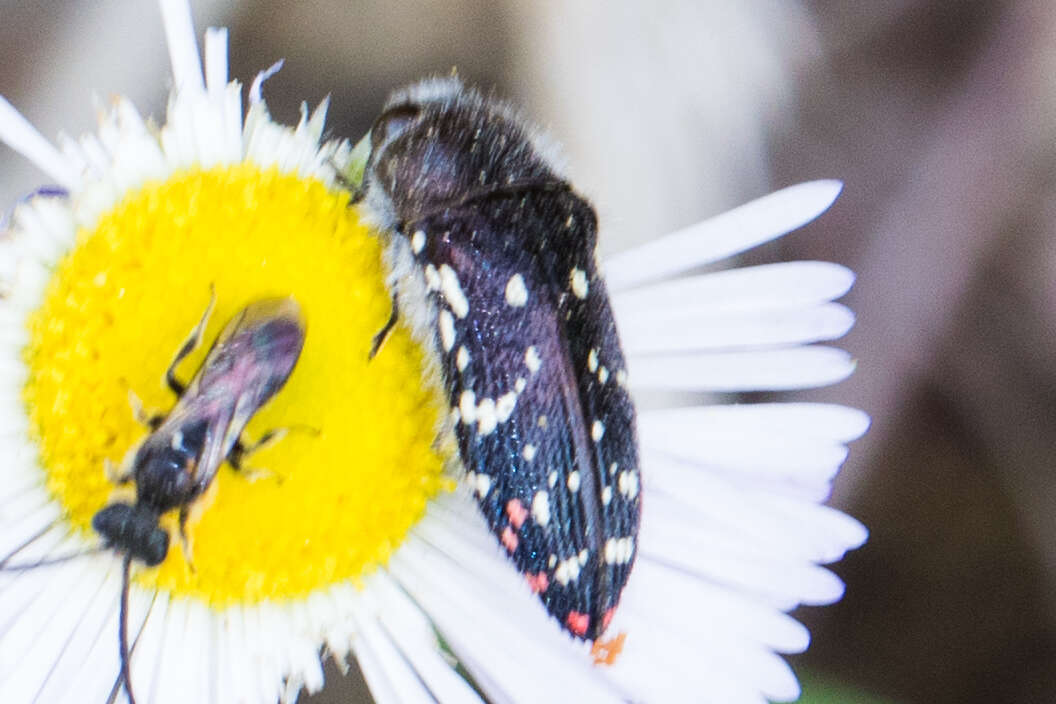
pixel 492 258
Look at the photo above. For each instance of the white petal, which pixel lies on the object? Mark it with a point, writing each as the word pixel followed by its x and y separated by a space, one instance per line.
pixel 216 61
pixel 183 45
pixel 675 330
pixel 821 421
pixel 93 601
pixel 754 514
pixel 20 135
pixel 755 288
pixel 414 635
pixel 777 453
pixel 669 538
pixel 383 666
pixel 769 370
pixel 255 95
pixel 149 656
pixel 723 235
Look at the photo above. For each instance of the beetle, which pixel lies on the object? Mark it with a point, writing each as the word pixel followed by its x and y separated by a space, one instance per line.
pixel 492 259
pixel 174 465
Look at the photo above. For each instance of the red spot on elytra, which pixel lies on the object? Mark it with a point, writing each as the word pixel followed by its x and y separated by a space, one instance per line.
pixel 538 582
pixel 607 618
pixel 577 622
pixel 509 539
pixel 517 513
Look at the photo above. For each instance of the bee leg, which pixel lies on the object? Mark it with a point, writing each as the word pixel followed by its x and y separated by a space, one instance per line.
pixel 185 541
pixel 189 345
pixel 242 449
pixel 379 339
pixel 114 474
pixel 151 420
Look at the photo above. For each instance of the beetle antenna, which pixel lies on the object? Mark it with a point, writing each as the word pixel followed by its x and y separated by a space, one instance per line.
pixel 126 674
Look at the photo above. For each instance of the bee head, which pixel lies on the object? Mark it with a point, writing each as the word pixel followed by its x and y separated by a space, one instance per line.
pixel 437 141
pixel 133 529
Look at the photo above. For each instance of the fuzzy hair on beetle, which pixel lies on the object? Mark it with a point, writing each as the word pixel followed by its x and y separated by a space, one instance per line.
pixel 492 263
pixel 175 464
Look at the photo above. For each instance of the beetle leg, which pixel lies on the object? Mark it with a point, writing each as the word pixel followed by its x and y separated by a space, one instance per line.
pixel 379 338
pixel 192 341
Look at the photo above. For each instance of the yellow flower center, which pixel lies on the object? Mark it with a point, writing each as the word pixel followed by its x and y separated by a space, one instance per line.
pixel 320 508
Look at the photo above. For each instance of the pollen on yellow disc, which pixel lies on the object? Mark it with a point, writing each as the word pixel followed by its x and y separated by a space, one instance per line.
pixel 319 507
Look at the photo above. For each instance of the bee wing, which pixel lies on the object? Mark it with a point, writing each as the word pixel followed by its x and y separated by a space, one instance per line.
pixel 542 433
pixel 248 363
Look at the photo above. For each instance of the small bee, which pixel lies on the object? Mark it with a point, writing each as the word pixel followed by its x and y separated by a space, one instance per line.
pixel 492 260
pixel 175 464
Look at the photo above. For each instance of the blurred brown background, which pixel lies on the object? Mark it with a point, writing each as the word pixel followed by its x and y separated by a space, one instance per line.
pixel 939 118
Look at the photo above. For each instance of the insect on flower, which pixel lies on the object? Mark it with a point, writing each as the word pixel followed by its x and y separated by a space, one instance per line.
pixel 493 261
pixel 176 463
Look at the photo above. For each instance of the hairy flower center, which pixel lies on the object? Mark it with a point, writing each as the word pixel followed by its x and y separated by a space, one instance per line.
pixel 321 507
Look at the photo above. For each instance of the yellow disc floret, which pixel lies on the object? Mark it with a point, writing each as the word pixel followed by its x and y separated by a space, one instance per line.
pixel 319 508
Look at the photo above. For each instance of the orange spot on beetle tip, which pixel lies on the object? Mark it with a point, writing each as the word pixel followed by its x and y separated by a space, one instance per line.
pixel 605 652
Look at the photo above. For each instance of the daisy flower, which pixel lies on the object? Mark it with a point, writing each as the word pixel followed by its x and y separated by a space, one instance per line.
pixel 357 540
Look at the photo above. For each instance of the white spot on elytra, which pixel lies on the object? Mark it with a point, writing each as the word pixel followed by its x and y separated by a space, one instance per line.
pixel 467 403
pixel 621 378
pixel 628 483
pixel 177 441
pixel 486 417
pixel 603 375
pixel 567 570
pixel 606 495
pixel 592 361
pixel 462 358
pixel 552 479
pixel 528 453
pixel 520 385
pixel 597 430
pixel 573 481
pixel 432 278
pixel 482 484
pixel 618 551
pixel 541 421
pixel 531 359
pixel 583 555
pixel 516 292
pixel 578 280
pixel 551 561
pixel 452 291
pixel 613 467
pixel 418 241
pixel 447 330
pixel 505 405
pixel 541 507
pixel 569 221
